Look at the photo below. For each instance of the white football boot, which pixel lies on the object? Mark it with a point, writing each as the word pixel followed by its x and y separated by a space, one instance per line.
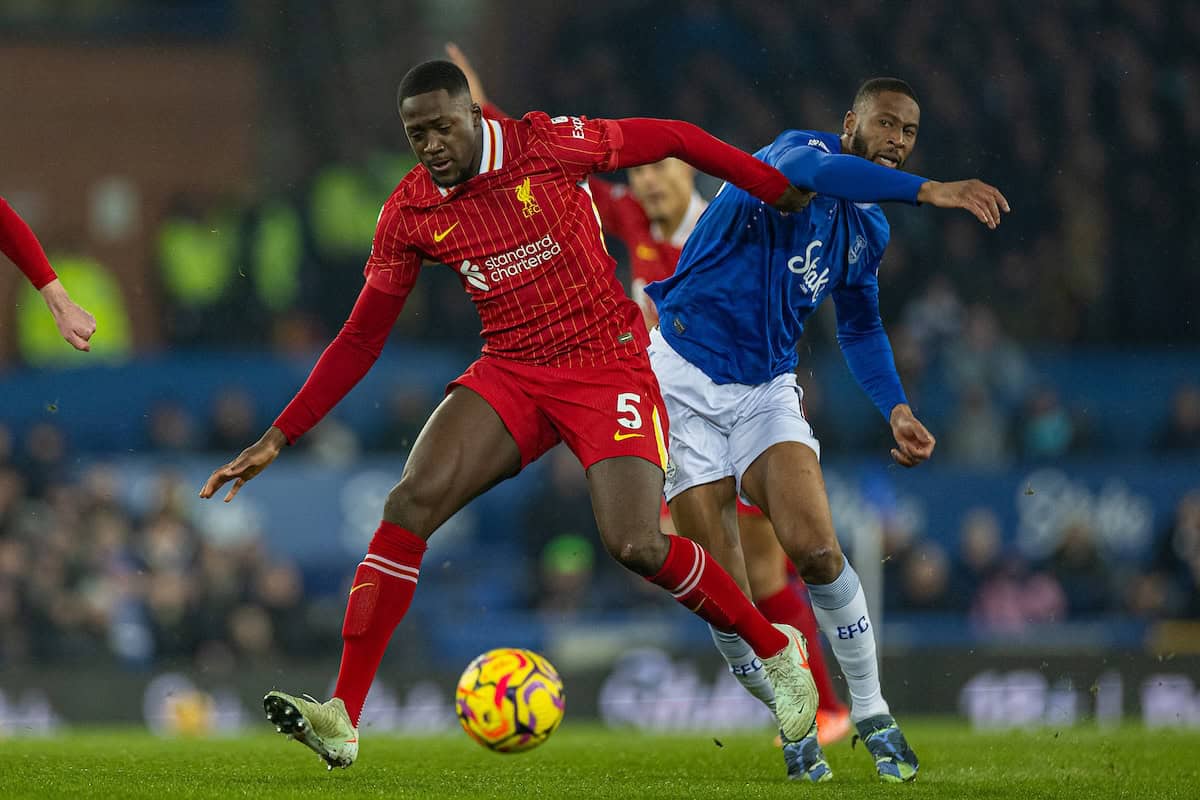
pixel 323 728
pixel 795 689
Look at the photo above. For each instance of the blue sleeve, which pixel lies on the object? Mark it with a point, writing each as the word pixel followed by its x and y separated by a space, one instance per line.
pixel 865 345
pixel 847 177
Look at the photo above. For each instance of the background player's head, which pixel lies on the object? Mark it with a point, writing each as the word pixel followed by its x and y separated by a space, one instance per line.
pixel 441 121
pixel 882 124
pixel 663 189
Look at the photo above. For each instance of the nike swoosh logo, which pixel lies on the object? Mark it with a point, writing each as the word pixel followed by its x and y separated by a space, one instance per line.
pixel 360 586
pixel 437 237
pixel 803 658
pixel 620 437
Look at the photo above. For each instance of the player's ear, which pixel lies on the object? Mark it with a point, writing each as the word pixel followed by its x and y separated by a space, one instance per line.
pixel 476 115
pixel 849 123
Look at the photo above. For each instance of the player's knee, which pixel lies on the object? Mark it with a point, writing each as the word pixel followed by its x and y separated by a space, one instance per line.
pixel 820 564
pixel 641 554
pixel 413 505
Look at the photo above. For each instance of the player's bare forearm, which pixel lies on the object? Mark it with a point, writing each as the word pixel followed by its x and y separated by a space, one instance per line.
pixel 981 199
pixel 249 463
pixel 474 83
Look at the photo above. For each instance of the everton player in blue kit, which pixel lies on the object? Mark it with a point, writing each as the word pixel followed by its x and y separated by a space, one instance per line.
pixel 725 356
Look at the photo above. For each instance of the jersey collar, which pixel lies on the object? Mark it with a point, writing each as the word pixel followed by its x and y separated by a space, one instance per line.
pixel 493 150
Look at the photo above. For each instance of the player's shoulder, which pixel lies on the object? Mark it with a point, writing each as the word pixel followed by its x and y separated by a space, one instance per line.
pixel 415 190
pixel 563 127
pixel 821 140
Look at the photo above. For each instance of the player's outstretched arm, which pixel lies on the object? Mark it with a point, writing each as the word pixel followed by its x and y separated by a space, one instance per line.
pixel 648 140
pixel 868 354
pixel 474 83
pixel 981 199
pixel 18 242
pixel 343 364
pixel 251 461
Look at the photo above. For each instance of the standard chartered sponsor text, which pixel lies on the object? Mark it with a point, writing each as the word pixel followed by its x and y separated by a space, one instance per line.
pixel 513 262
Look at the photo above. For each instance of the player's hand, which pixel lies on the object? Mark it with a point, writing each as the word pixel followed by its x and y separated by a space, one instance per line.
pixel 914 443
pixel 74 322
pixel 253 460
pixel 981 199
pixel 793 199
pixel 461 61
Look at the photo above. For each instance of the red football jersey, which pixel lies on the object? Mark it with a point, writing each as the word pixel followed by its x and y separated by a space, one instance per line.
pixel 652 256
pixel 525 239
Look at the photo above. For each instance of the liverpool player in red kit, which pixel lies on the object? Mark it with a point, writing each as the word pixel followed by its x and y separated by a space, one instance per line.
pixel 653 218
pixel 18 243
pixel 564 359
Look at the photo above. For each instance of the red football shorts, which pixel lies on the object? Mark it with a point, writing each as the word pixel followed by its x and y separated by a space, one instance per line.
pixel 745 509
pixel 601 412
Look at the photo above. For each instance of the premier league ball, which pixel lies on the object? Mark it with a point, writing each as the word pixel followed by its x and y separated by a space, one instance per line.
pixel 510 700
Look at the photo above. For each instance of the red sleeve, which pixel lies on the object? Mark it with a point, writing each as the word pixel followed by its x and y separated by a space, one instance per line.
pixel 650 140
pixel 394 265
pixel 343 364
pixel 18 243
pixel 581 145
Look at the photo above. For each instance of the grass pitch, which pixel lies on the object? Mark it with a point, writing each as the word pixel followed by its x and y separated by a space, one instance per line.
pixel 595 763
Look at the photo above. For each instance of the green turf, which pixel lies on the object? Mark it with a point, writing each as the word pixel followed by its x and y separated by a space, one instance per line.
pixel 593 763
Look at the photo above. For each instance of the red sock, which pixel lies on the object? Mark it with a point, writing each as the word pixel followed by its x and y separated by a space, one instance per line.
pixel 704 588
pixel 789 606
pixel 379 598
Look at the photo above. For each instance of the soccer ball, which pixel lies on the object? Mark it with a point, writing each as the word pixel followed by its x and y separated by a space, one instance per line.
pixel 510 700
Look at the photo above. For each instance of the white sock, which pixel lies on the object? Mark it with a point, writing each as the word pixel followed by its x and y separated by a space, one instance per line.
pixel 841 610
pixel 745 666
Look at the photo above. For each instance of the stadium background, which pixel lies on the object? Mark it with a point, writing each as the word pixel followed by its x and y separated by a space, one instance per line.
pixel 206 176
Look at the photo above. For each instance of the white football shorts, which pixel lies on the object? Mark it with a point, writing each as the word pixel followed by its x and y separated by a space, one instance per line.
pixel 717 430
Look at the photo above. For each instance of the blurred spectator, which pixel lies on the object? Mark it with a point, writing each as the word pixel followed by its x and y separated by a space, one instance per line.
pixel 233 422
pixel 1081 571
pixel 407 410
pixel 935 317
pixel 984 357
pixel 1182 431
pixel 1014 598
pixel 565 575
pixel 979 551
pixel 172 429
pixel 978 435
pixel 926 579
pixel 1047 429
pixel 1171 587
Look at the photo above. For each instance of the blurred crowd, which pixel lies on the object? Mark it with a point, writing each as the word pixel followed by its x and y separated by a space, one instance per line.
pixel 93 571
pixel 87 577
pixel 980 574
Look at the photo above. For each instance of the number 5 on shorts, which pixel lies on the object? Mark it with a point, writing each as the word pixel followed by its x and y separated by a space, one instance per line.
pixel 627 404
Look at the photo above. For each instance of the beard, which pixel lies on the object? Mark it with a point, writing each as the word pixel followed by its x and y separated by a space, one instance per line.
pixel 857 146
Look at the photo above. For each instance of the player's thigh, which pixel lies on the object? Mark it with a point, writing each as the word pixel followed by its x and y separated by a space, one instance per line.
pixel 707 514
pixel 463 450
pixel 626 496
pixel 786 482
pixel 766 563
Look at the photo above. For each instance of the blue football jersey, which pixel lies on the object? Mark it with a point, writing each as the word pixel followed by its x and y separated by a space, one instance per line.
pixel 749 276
